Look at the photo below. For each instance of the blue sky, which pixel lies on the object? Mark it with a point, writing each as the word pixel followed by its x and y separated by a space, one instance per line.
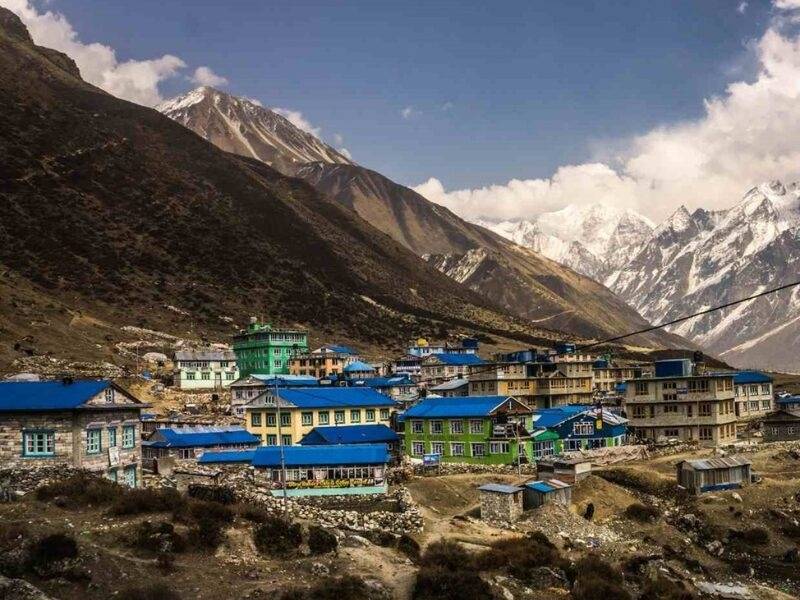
pixel 532 85
pixel 496 110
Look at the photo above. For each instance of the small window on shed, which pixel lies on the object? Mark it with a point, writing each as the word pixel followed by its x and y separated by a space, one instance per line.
pixel 109 395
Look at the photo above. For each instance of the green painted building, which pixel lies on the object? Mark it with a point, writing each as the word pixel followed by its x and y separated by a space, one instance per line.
pixel 470 429
pixel 262 350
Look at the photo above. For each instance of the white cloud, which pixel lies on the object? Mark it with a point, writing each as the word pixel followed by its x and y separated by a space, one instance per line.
pixel 742 8
pixel 346 153
pixel 205 76
pixel 297 119
pixel 787 4
pixel 255 101
pixel 747 135
pixel 408 112
pixel 134 80
pixel 338 139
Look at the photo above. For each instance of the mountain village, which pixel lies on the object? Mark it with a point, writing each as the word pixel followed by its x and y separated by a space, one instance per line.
pixel 426 407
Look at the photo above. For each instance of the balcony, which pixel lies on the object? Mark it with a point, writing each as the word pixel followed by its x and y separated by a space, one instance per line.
pixel 508 431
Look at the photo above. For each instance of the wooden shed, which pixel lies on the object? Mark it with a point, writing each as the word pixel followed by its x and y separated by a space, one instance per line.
pixel 538 493
pixel 568 470
pixel 709 474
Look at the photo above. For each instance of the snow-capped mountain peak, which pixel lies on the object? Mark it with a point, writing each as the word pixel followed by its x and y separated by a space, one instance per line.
pixel 243 127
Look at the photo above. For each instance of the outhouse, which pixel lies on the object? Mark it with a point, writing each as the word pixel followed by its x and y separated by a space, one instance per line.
pixel 711 474
pixel 500 503
pixel 538 493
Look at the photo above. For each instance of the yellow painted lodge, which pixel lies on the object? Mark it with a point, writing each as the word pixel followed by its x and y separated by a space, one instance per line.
pixel 302 409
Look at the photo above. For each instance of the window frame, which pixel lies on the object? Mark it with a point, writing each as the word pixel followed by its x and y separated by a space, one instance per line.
pixel 91 446
pixel 112 437
pixel 126 431
pixel 49 440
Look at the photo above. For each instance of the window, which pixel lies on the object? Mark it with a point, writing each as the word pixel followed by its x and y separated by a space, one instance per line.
pixel 307 418
pixel 765 404
pixel 669 385
pixel 416 426
pixel 457 449
pixel 272 439
pixel 255 419
pixel 705 433
pixel 286 440
pixel 276 351
pixel 355 416
pixel 112 437
pixel 642 388
pixel 475 426
pixel 689 410
pixel 38 443
pixel 229 376
pixel 271 420
pixel 111 474
pixel 286 419
pixel 583 428
pixel 478 450
pixel 437 448
pixel 338 417
pixel 384 414
pixel 205 376
pixel 671 433
pixel 323 417
pixel 417 448
pixel 369 415
pixel 457 427
pixel 190 376
pixel 277 363
pixel 698 386
pixel 128 436
pixel 639 412
pixel 109 393
pixel 93 441
pixel 670 398
pixel 498 447
pixel 129 476
pixel 765 389
pixel 670 408
pixel 436 427
pixel 704 410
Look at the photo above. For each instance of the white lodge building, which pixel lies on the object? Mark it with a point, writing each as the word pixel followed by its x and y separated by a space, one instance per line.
pixel 683 407
pixel 204 369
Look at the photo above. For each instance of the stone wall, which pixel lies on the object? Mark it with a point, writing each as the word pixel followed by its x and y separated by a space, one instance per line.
pixel 460 468
pixel 500 508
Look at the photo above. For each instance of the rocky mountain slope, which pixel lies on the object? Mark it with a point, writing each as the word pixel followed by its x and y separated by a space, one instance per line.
pixel 508 275
pixel 243 127
pixel 701 259
pixel 113 215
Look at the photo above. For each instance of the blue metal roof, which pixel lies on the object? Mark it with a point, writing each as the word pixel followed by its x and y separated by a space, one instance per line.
pixel 460 407
pixel 339 348
pixel 550 417
pixel 228 456
pixel 287 380
pixel 743 377
pixel 540 486
pixel 200 437
pixel 334 397
pixel 381 382
pixel 350 434
pixel 18 396
pixel 458 360
pixel 309 456
pixel 788 400
pixel 358 366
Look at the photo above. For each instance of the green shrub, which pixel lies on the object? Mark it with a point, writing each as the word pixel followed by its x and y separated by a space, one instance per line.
pixel 409 546
pixel 446 554
pixel 277 537
pixel 212 493
pixel 321 541
pixel 441 584
pixel 151 591
pixel 642 512
pixel 755 535
pixel 147 500
pixel 343 588
pixel 52 548
pixel 80 491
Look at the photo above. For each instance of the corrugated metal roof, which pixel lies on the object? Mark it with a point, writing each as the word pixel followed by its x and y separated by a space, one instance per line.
pixel 500 488
pixel 547 486
pixel 744 377
pixel 457 360
pixel 228 456
pixel 464 407
pixel 453 384
pixel 350 434
pixel 707 464
pixel 359 366
pixel 199 437
pixel 48 395
pixel 550 417
pixel 336 348
pixel 309 456
pixel 327 397
pixel 210 355
pixel 380 382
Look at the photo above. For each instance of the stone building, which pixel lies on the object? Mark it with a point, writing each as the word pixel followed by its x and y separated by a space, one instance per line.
pixel 781 426
pixel 207 369
pixel 87 424
pixel 753 395
pixel 501 503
